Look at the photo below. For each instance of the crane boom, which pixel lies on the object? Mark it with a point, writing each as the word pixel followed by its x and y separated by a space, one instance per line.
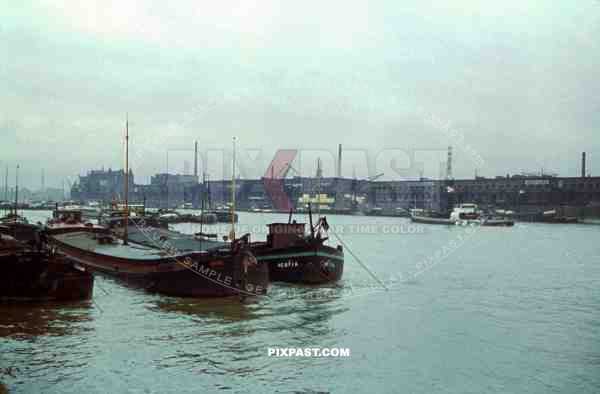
pixel 375 177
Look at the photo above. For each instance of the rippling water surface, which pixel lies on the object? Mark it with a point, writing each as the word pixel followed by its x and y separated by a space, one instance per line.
pixel 509 310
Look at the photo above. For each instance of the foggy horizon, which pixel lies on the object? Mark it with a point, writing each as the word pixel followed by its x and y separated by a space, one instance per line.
pixel 518 81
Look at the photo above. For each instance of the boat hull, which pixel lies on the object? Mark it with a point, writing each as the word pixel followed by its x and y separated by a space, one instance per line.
pixel 498 223
pixel 428 220
pixel 302 264
pixel 196 274
pixel 561 220
pixel 451 222
pixel 33 276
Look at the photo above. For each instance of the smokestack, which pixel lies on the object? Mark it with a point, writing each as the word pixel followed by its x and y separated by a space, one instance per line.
pixel 339 169
pixel 196 160
pixel 583 164
pixel 449 164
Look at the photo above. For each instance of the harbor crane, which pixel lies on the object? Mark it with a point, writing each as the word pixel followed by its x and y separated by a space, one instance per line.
pixel 289 167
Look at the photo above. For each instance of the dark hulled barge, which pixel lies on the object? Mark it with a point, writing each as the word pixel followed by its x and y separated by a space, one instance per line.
pixel 157 262
pixel 30 271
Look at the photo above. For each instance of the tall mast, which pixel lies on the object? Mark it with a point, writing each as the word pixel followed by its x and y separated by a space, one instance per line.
pixel 355 185
pixel 126 177
pixel 207 190
pixel 6 185
pixel 196 161
pixel 232 233
pixel 203 212
pixel 310 221
pixel 318 199
pixel 16 189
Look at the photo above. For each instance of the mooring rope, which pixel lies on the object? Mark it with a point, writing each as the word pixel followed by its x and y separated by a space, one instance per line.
pixel 363 265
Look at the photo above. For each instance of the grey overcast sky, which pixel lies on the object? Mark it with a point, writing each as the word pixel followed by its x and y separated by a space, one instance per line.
pixel 519 80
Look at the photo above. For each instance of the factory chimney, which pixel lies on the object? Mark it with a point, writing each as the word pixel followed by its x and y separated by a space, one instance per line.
pixel 339 168
pixel 449 164
pixel 583 164
pixel 196 160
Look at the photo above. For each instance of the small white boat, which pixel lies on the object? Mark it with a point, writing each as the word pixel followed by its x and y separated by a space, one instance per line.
pixel 462 215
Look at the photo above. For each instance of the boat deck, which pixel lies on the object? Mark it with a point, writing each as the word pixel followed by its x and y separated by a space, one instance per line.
pixel 157 237
pixel 132 251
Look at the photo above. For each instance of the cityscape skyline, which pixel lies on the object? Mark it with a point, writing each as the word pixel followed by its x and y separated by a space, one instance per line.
pixel 348 170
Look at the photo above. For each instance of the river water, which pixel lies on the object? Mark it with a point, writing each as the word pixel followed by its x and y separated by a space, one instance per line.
pixel 501 310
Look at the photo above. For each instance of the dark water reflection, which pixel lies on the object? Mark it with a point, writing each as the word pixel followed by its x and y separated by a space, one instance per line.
pixel 232 337
pixel 37 338
pixel 28 321
pixel 223 310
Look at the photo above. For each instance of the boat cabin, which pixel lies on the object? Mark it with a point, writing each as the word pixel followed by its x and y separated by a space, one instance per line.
pixel 19 227
pixel 67 216
pixel 467 208
pixel 133 209
pixel 465 211
pixel 282 235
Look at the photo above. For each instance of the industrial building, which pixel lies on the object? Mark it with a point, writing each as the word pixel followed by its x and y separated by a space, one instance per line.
pixel 526 194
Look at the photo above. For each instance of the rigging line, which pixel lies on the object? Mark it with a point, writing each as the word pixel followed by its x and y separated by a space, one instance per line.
pixel 101 288
pixel 363 265
pixel 97 305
